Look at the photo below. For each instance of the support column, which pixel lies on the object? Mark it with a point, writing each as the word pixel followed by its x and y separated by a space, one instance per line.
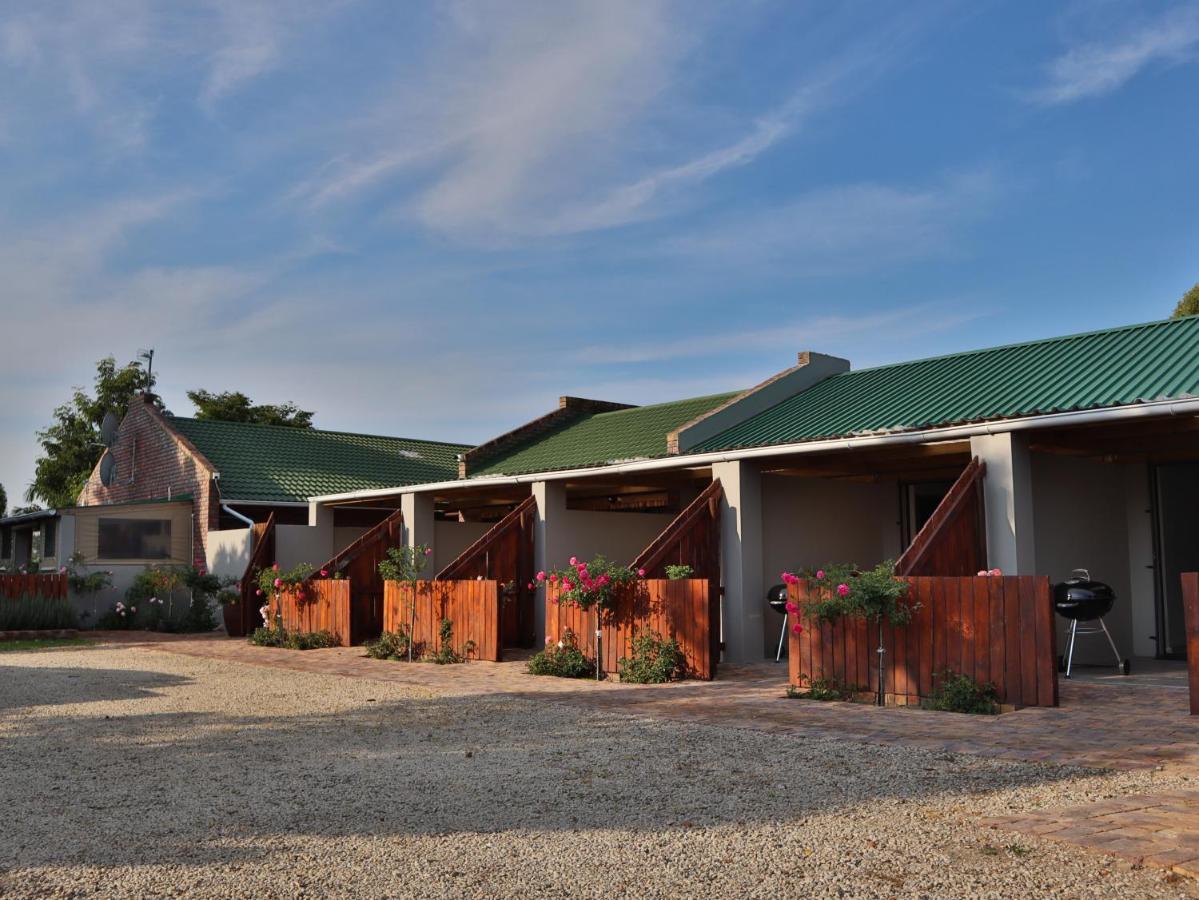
pixel 418 525
pixel 549 539
pixel 741 559
pixel 1007 490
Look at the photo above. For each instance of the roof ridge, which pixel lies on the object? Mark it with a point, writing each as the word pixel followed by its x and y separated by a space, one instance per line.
pixel 631 409
pixel 292 429
pixel 1135 326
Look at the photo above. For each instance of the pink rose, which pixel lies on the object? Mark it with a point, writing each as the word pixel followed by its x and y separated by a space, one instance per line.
pixel 797 628
pixel 819 574
pixel 259 592
pixel 554 578
pixel 275 567
pixel 983 572
pixel 791 607
pixel 278 582
pixel 548 640
pixel 530 585
pixel 641 573
pixel 428 551
pixel 541 576
pixel 574 560
pixel 996 573
pixel 324 573
pixel 842 589
pixel 202 572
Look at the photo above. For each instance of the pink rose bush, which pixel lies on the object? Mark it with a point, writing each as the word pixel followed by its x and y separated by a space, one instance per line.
pixel 845 591
pixel 587 584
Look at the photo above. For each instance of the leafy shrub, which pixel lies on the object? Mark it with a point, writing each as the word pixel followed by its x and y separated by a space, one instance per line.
pixel 678 573
pixel 655 660
pixel 390 645
pixel 564 659
pixel 845 591
pixel 445 654
pixel 272 579
pixel 34 612
pixel 588 584
pixel 292 640
pixel 199 616
pixel 957 692
pixel 825 689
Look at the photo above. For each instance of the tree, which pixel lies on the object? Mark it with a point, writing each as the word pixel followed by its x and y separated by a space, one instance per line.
pixel 1189 304
pixel 234 406
pixel 71 446
pixel 3 501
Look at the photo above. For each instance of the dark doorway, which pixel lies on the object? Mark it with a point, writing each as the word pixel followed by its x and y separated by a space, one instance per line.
pixel 1175 492
pixel 918 500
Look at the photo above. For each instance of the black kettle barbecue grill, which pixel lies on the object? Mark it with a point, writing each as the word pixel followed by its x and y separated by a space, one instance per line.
pixel 1084 601
pixel 777 598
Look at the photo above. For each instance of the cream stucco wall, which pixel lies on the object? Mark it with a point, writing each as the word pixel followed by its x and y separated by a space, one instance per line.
pixel 808 522
pixel 228 551
pixel 451 538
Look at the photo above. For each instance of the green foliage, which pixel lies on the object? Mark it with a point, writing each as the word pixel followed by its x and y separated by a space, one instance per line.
pixel 655 660
pixel 86 582
pixel 588 584
pixel 390 645
pixel 3 501
pixel 71 445
pixel 845 591
pixel 234 406
pixel 43 644
pixel 678 573
pixel 274 579
pixel 825 689
pixel 34 613
pixel 445 654
pixel 564 659
pixel 1189 304
pixel 292 640
pixel 957 692
pixel 405 563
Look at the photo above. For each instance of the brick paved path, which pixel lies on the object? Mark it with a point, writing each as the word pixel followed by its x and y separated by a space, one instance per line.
pixel 1097 726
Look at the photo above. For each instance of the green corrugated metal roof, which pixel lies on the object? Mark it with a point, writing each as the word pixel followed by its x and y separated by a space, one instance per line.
pixel 275 463
pixel 602 438
pixel 1114 367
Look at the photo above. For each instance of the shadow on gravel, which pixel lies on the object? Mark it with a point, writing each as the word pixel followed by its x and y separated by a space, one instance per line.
pixel 57 686
pixel 181 787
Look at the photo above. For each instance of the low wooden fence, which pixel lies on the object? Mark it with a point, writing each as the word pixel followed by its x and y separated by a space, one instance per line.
pixel 322 605
pixel 471 606
pixel 997 630
pixel 1190 605
pixel 678 609
pixel 52 585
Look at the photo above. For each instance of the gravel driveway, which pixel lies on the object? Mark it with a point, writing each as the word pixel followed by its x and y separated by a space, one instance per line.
pixel 128 772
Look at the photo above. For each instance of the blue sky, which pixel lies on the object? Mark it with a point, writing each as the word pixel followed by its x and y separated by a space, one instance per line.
pixel 433 219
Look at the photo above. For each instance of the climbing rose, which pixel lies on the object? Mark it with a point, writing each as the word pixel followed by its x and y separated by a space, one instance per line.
pixel 541 576
pixel 324 573
pixel 278 582
pixel 797 628
pixel 996 572
pixel 275 567
pixel 983 572
pixel 819 574
pixel 791 607
pixel 554 577
pixel 842 589
pixel 641 573
pixel 530 585
pixel 574 560
pixel 259 592
pixel 428 551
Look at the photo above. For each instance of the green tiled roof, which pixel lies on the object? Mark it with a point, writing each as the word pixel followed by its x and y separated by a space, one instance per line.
pixel 1115 367
pixel 274 463
pixel 601 438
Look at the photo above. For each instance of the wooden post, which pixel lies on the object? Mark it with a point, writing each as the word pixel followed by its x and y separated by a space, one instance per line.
pixel 1190 605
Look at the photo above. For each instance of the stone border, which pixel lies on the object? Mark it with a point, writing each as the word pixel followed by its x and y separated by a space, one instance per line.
pixel 46 634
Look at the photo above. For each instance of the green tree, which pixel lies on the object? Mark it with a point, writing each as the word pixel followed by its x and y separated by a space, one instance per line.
pixel 3 501
pixel 234 406
pixel 71 446
pixel 1189 304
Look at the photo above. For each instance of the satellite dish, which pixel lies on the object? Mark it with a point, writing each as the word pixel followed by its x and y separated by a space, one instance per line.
pixel 108 469
pixel 108 428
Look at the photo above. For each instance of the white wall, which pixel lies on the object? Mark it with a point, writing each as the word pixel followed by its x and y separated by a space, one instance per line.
pixel 295 544
pixel 619 536
pixel 808 522
pixel 1081 521
pixel 451 538
pixel 228 551
pixel 1142 590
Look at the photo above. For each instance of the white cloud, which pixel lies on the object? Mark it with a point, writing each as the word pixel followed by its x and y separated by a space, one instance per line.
pixel 1096 68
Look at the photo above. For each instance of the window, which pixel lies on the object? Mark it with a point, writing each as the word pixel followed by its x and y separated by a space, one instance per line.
pixel 135 539
pixel 49 539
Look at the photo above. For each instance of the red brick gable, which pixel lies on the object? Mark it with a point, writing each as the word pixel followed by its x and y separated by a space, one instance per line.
pixel 153 461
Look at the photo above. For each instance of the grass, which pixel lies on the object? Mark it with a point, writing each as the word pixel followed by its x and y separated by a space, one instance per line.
pixel 43 644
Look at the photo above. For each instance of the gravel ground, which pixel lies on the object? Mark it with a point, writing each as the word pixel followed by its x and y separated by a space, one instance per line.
pixel 128 773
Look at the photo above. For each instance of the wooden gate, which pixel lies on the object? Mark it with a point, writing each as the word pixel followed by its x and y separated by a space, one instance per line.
pixel 693 539
pixel 954 539
pixel 472 607
pixel 322 604
pixel 359 563
pixel 504 553
pixel 1190 607
pixel 993 629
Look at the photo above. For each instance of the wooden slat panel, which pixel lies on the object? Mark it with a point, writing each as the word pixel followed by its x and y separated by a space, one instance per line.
pixel 322 605
pixel 1190 604
pixel 953 540
pixel 1046 643
pixel 52 585
pixel 472 607
pixel 1028 637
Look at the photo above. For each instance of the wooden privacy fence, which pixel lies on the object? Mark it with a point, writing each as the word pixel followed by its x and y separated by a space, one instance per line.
pixel 243 618
pixel 472 607
pixel 954 539
pixel 1190 605
pixel 997 630
pixel 678 609
pixel 505 553
pixel 323 604
pixel 52 585
pixel 359 562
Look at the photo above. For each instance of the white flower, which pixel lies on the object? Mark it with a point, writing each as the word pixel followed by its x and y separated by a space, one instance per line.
pixel 560 645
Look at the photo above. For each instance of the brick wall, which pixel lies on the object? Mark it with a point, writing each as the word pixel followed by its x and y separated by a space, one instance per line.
pixel 153 461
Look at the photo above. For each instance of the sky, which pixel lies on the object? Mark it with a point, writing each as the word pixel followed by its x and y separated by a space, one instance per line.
pixel 432 219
